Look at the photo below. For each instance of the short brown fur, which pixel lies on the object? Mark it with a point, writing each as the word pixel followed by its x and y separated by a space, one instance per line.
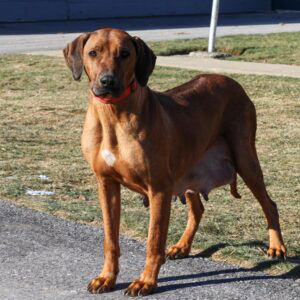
pixel 155 142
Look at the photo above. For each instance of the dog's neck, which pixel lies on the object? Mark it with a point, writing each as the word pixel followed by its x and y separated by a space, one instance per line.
pixel 127 114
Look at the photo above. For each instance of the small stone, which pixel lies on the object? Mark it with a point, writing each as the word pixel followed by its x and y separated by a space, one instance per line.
pixel 83 198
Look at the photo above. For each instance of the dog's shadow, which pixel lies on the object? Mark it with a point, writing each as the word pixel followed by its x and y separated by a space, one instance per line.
pixel 207 253
pixel 201 277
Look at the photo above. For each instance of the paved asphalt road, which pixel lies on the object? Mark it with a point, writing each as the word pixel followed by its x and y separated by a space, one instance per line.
pixel 41 36
pixel 44 257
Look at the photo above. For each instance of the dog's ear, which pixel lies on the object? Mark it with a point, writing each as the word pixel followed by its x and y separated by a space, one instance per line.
pixel 73 53
pixel 145 61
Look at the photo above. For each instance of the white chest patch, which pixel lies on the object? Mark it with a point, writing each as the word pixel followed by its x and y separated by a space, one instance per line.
pixel 108 157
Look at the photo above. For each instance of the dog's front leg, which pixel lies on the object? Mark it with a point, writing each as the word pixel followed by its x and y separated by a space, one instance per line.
pixel 109 197
pixel 160 204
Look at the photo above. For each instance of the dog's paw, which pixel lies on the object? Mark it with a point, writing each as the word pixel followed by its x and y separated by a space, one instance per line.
pixel 277 251
pixel 175 252
pixel 139 288
pixel 101 284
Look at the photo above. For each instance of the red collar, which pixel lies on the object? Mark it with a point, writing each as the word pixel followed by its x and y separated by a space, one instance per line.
pixel 132 87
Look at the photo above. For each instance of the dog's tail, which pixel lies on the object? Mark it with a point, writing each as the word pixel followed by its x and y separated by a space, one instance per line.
pixel 233 188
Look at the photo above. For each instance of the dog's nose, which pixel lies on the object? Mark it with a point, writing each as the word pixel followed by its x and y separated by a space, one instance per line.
pixel 108 81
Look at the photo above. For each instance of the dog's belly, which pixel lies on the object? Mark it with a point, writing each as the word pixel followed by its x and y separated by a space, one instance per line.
pixel 213 170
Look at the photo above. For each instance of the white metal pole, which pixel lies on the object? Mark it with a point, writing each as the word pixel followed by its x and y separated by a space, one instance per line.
pixel 213 26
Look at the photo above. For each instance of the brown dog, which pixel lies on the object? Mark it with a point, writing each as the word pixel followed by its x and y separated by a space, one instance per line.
pixel 155 143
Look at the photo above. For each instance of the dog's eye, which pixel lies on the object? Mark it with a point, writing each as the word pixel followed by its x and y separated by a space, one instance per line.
pixel 93 53
pixel 124 53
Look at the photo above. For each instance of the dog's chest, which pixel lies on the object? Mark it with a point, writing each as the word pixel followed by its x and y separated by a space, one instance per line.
pixel 124 157
pixel 108 157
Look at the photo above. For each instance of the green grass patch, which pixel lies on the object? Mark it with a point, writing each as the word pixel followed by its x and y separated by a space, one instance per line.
pixel 41 115
pixel 279 48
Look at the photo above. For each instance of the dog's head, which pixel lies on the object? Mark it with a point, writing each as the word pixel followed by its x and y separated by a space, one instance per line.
pixel 112 59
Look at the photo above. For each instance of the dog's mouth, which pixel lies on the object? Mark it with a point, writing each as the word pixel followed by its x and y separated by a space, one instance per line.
pixel 105 92
pixel 112 95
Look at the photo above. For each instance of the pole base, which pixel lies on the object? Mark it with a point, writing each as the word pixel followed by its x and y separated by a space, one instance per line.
pixel 203 54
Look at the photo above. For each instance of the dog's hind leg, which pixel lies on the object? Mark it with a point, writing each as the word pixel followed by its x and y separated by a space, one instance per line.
pixel 183 247
pixel 242 143
pixel 249 169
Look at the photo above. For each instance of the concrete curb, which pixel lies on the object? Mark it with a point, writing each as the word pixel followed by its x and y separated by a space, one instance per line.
pixel 225 66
